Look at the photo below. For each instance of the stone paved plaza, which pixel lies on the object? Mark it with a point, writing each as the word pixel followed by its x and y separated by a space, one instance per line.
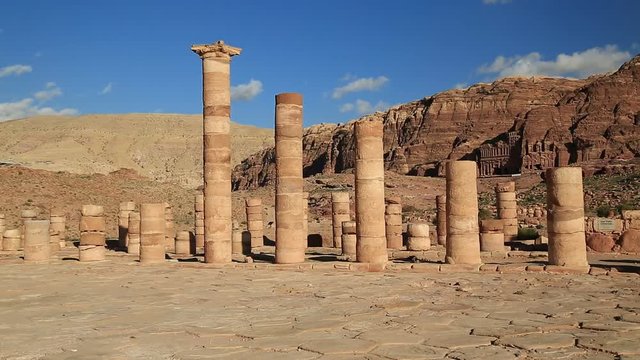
pixel 119 309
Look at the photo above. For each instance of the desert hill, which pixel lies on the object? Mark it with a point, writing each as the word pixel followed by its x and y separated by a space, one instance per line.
pixel 162 147
pixel 595 119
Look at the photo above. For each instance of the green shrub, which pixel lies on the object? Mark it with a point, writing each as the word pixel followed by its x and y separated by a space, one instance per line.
pixel 625 206
pixel 603 210
pixel 527 234
pixel 485 214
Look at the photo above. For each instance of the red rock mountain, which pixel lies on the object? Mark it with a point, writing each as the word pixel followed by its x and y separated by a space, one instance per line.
pixel 600 115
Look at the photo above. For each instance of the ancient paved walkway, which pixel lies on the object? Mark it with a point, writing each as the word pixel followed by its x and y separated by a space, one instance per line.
pixel 120 310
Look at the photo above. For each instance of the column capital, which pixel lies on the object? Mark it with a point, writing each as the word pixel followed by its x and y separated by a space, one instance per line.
pixel 217 49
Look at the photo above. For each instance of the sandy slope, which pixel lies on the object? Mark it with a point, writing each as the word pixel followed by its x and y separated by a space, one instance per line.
pixel 159 146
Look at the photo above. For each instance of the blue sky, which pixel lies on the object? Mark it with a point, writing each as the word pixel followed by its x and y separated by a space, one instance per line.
pixel 347 57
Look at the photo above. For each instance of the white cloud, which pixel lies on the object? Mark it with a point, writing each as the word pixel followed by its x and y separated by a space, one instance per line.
pixel 495 2
pixel 33 105
pixel 363 107
pixel 246 92
pixel 17 69
pixel 460 86
pixel 582 64
pixel 361 84
pixel 51 91
pixel 347 107
pixel 107 89
pixel 26 107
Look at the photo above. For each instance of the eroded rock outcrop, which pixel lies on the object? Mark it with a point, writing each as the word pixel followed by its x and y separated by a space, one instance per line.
pixel 588 119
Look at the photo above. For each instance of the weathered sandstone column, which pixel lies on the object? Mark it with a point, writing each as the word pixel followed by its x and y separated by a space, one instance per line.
pixel 152 230
pixel 349 238
pixel 236 240
pixel 216 99
pixel 3 227
pixel 183 245
pixel 491 235
pixel 369 180
pixel 36 241
pixel 92 233
pixel 54 240
pixel 169 230
pixel 133 233
pixel 393 222
pixel 441 219
pixel 418 237
pixel 25 215
pixel 123 222
pixel 291 241
pixel 58 224
pixel 565 217
pixel 199 212
pixel 463 242
pixel 340 213
pixel 11 240
pixel 305 222
pixel 508 209
pixel 255 224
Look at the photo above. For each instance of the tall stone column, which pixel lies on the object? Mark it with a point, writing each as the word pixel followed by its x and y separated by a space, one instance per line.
pixel 371 245
pixel 255 224
pixel 463 240
pixel 133 233
pixel 507 209
pixel 152 231
pixel 36 241
pixel 305 222
pixel 291 241
pixel 3 227
pixel 565 217
pixel 92 233
pixel 182 243
pixel 216 95
pixel 441 219
pixel 11 240
pixel 169 229
pixel 26 215
pixel 58 224
pixel 123 222
pixel 393 222
pixel 199 221
pixel 340 212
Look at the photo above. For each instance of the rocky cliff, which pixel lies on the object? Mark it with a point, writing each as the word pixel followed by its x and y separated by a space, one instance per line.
pixel 600 115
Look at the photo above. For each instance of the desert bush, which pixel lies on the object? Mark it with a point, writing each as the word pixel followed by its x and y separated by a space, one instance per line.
pixel 527 234
pixel 485 214
pixel 603 210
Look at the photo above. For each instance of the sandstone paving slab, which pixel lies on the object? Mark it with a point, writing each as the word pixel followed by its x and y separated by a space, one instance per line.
pixel 338 346
pixel 409 352
pixel 569 353
pixel 473 322
pixel 611 326
pixel 485 352
pixel 614 344
pixel 500 331
pixel 212 353
pixel 630 317
pixel 450 341
pixel 538 341
pixel 315 323
pixel 391 337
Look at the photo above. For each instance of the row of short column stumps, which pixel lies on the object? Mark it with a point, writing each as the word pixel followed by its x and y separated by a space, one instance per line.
pixel 377 223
